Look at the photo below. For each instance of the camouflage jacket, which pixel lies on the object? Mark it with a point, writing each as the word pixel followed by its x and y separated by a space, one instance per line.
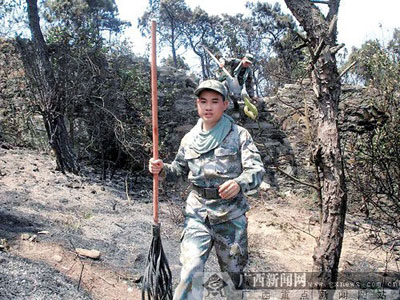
pixel 235 158
pixel 244 75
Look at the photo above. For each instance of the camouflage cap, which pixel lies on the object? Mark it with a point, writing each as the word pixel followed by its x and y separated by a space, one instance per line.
pixel 214 85
pixel 249 57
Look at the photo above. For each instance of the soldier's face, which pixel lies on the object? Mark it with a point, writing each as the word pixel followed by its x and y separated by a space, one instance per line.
pixel 246 63
pixel 210 106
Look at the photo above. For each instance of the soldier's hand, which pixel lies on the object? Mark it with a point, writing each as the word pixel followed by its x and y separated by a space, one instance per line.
pixel 229 189
pixel 155 166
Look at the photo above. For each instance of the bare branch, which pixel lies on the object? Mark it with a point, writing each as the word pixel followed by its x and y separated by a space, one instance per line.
pixel 318 50
pixel 300 47
pixel 332 25
pixel 336 49
pixel 347 69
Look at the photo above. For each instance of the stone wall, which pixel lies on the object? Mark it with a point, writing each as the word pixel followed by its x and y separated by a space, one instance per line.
pixel 284 131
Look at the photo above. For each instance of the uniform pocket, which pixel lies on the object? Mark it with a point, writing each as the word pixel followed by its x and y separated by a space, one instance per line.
pixel 226 160
pixel 228 152
pixel 192 157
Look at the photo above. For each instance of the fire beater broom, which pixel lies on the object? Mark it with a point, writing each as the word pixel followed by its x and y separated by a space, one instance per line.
pixel 157 279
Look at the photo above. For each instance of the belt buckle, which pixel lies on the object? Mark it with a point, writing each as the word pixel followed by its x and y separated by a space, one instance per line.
pixel 211 193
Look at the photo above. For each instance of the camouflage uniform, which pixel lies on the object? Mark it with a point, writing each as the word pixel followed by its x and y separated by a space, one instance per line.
pixel 244 75
pixel 219 222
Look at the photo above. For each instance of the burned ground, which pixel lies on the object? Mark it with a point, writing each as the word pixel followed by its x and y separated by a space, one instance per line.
pixel 45 215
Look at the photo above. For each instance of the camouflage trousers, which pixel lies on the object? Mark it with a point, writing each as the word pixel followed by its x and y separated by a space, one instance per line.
pixel 198 238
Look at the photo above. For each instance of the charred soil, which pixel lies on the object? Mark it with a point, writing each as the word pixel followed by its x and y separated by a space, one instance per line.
pixel 45 216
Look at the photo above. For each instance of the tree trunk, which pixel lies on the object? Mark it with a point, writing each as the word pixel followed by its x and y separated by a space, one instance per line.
pixel 201 56
pixel 321 36
pixel 52 101
pixel 174 55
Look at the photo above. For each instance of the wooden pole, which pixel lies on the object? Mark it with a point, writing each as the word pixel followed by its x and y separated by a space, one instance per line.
pixel 154 113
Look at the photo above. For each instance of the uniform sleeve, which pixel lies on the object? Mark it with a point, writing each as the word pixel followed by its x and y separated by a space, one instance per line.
pixel 178 168
pixel 253 167
pixel 231 61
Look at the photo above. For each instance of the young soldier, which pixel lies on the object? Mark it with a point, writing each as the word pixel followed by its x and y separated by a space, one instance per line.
pixel 242 70
pixel 222 163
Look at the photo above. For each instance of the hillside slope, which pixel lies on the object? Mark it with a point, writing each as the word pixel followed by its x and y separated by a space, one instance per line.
pixel 45 215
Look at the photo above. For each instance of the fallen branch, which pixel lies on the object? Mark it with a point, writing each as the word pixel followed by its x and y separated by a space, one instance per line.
pixel 105 280
pixel 302 230
pixel 296 179
pixel 83 265
pixel 80 276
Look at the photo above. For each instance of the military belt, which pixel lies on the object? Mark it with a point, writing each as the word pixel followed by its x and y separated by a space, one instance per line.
pixel 207 193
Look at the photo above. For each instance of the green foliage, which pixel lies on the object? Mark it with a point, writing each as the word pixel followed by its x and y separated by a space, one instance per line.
pixel 83 17
pixel 376 66
pixel 11 17
pixel 105 89
pixel 172 16
pixel 181 64
pixel 274 44
pixel 203 29
pixel 394 45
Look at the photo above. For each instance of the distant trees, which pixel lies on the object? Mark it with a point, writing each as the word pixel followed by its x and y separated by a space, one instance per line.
pixel 265 33
pixel 203 29
pixel 173 15
pixel 181 64
pixel 272 39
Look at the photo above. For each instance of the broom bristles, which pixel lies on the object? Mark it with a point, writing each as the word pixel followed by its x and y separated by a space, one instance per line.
pixel 157 278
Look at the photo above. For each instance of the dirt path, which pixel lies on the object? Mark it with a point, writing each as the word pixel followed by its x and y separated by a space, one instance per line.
pixel 83 212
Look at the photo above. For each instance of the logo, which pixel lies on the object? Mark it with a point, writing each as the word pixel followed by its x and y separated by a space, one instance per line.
pixel 215 285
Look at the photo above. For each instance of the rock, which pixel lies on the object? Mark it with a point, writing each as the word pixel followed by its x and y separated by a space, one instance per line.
pixel 264 187
pixel 94 254
pixel 33 238
pixel 58 258
pixel 4 245
pixel 313 220
pixel 25 236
